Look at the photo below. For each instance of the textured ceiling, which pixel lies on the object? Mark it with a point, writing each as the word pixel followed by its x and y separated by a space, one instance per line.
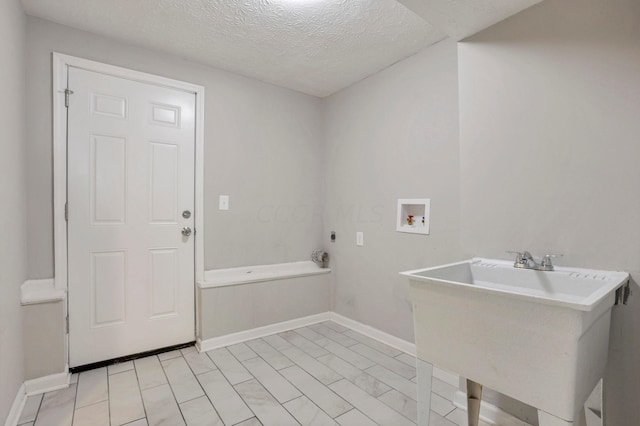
pixel 314 46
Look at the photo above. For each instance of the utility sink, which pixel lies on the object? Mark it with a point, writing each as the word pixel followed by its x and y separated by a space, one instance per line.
pixel 540 337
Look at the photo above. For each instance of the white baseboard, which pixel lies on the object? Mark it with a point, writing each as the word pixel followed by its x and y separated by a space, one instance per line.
pixel 374 333
pixel 489 413
pixel 254 333
pixel 16 408
pixel 446 376
pixel 48 383
pixel 394 342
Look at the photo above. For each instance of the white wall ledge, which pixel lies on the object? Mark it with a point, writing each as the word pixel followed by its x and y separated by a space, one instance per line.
pixel 40 291
pixel 260 273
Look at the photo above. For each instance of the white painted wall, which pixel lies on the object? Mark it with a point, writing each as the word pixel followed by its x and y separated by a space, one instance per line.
pixel 550 146
pixel 262 145
pixel 13 204
pixel 393 135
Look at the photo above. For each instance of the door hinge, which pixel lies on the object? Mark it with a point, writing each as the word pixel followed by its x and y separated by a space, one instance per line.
pixel 67 93
pixel 67 323
pixel 66 212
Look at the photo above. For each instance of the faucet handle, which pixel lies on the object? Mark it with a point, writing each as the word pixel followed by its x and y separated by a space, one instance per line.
pixel 546 264
pixel 521 261
pixel 517 253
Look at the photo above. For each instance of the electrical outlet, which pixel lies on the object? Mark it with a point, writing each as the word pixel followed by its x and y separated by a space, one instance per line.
pixel 223 203
pixel 359 238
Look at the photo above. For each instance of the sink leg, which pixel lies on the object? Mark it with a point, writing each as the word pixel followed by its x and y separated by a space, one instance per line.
pixel 425 373
pixel 474 396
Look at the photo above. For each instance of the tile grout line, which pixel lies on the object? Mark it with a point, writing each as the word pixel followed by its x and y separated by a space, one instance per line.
pixel 354 408
pixel 75 400
pixel 365 370
pixel 366 357
pixel 399 412
pixel 171 387
pixel 279 353
pixel 292 415
pixel 205 372
pixel 300 390
pixel 430 393
pixel 262 384
pixel 37 411
pixel 144 409
pixel 230 384
pixel 338 332
pixel 370 347
pixel 298 347
pixel 108 395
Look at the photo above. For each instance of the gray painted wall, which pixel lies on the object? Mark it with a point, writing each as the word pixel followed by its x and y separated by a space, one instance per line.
pixel 546 161
pixel 235 308
pixel 13 189
pixel 393 135
pixel 44 339
pixel 262 145
pixel 550 149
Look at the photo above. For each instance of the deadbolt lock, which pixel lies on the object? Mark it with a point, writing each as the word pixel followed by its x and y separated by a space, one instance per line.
pixel 186 214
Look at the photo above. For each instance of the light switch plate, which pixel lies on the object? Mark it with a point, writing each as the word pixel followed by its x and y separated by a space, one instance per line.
pixel 223 203
pixel 359 238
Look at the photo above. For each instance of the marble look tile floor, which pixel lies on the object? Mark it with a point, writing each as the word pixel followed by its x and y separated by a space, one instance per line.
pixel 323 374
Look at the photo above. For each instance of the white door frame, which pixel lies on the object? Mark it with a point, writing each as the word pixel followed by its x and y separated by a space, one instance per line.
pixel 61 64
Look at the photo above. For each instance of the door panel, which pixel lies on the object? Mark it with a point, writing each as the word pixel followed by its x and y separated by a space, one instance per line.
pixel 108 283
pixel 164 281
pixel 108 179
pixel 130 176
pixel 164 180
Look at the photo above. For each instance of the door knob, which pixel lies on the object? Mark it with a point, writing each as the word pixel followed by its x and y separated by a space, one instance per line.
pixel 186 231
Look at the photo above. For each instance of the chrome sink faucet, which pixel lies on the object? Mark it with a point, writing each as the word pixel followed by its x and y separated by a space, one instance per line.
pixel 525 260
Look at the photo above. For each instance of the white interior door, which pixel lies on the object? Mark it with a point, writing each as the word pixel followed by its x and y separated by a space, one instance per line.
pixel 130 177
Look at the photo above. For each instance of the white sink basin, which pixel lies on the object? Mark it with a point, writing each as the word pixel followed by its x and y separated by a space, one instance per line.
pixel 539 337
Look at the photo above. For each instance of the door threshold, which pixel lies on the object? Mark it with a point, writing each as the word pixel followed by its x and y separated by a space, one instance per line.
pixel 119 360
